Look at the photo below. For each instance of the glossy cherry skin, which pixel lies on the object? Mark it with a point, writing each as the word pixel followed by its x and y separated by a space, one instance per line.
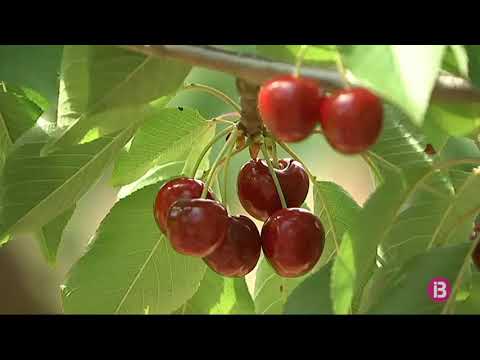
pixel 173 190
pixel 352 120
pixel 288 106
pixel 293 241
pixel 257 191
pixel 197 227
pixel 239 253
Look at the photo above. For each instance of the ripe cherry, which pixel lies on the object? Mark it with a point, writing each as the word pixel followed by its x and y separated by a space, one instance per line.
pixel 173 190
pixel 352 120
pixel 289 107
pixel 239 253
pixel 293 241
pixel 476 256
pixel 197 227
pixel 257 191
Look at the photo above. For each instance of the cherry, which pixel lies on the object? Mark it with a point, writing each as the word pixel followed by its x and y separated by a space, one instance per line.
pixel 293 241
pixel 239 253
pixel 476 256
pixel 352 120
pixel 257 191
pixel 289 107
pixel 173 190
pixel 197 227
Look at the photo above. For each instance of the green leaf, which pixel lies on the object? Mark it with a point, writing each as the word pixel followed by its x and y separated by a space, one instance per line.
pixel 434 134
pixel 167 136
pixel 34 66
pixel 271 290
pixel 17 114
pixel 336 210
pixel 219 295
pixel 314 55
pixel 312 296
pixel 355 261
pixel 35 189
pixel 473 52
pixel 403 74
pixel 455 60
pixel 51 234
pixel 130 266
pixel 161 173
pixel 472 304
pixel 97 78
pixel 407 289
pixel 456 119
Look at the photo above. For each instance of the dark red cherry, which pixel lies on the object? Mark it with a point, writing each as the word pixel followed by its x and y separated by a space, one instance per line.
pixel 173 190
pixel 257 191
pixel 197 227
pixel 293 241
pixel 476 256
pixel 239 253
pixel 352 120
pixel 289 107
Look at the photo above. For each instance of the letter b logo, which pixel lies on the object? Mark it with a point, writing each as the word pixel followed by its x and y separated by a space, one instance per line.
pixel 439 289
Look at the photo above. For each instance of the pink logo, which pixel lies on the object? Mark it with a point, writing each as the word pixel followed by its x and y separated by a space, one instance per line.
pixel 439 289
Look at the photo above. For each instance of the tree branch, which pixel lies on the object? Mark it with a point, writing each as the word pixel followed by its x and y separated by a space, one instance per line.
pixel 256 70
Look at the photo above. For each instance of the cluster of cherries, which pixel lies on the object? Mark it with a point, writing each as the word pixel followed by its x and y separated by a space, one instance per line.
pixel 351 118
pixel 292 238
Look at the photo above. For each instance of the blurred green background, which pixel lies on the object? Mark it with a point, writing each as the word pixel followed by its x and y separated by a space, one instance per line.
pixel 27 283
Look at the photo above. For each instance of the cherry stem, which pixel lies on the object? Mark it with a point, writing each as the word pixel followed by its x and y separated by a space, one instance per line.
pixel 221 154
pixel 341 70
pixel 220 135
pixel 220 95
pixel 222 118
pixel 225 169
pixel 297 158
pixel 274 176
pixel 300 56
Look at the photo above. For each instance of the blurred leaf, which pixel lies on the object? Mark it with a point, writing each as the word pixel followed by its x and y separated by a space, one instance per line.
pixel 336 210
pixel 407 290
pixel 219 295
pixel 472 304
pixel 473 52
pixel 35 189
pixel 95 78
pixel 456 119
pixel 314 55
pixel 355 261
pixel 312 296
pixel 434 134
pixel 460 148
pixel 33 66
pixel 51 234
pixel 403 74
pixel 167 136
pixel 455 60
pixel 17 114
pixel 130 266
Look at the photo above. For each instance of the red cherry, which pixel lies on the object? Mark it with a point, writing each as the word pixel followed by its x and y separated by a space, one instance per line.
pixel 176 189
pixel 197 227
pixel 257 191
pixel 293 241
pixel 240 251
pixel 352 120
pixel 476 256
pixel 288 106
